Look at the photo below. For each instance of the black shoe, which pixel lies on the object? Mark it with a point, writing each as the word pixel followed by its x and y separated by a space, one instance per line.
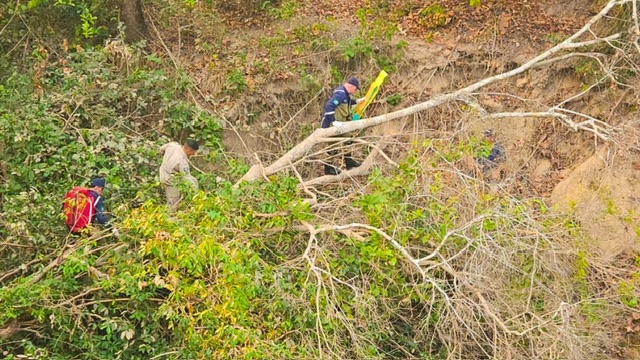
pixel 330 170
pixel 350 163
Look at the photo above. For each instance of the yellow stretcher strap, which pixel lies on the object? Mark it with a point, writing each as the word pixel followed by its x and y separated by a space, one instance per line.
pixel 371 94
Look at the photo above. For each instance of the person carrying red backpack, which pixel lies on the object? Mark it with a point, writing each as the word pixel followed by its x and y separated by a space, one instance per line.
pixel 84 206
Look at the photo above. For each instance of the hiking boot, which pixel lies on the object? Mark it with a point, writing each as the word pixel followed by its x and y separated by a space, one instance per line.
pixel 350 163
pixel 330 170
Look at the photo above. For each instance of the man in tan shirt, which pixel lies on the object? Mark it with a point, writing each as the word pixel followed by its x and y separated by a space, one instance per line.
pixel 176 161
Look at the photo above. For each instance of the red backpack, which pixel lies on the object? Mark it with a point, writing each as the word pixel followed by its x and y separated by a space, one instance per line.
pixel 79 208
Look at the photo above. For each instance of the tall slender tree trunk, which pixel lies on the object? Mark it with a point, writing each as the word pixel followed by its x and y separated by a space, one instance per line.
pixel 133 18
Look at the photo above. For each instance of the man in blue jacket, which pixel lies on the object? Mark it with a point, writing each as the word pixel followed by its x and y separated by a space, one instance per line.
pixel 96 187
pixel 336 111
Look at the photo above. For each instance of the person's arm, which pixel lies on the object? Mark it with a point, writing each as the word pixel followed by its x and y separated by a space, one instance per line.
pixel 185 170
pixel 192 180
pixel 100 216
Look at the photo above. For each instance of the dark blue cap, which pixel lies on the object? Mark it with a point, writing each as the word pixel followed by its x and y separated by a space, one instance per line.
pixel 353 81
pixel 99 182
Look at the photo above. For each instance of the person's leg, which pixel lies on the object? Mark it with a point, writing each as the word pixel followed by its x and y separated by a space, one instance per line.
pixel 330 169
pixel 349 161
pixel 173 197
pixel 343 113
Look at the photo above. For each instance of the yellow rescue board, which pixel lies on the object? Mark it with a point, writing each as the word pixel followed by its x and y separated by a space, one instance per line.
pixel 371 94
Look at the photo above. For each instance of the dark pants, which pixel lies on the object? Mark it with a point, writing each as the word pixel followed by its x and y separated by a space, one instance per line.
pixel 349 161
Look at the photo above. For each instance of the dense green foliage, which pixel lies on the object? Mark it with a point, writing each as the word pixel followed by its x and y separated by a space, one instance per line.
pixel 425 260
pixel 77 117
pixel 54 20
pixel 229 278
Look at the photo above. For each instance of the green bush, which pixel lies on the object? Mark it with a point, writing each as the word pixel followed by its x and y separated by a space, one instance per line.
pixel 75 118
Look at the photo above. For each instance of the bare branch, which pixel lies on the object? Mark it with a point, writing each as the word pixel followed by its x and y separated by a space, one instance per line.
pixel 595 126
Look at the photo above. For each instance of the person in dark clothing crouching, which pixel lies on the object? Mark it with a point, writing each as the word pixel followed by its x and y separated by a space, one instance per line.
pixel 496 155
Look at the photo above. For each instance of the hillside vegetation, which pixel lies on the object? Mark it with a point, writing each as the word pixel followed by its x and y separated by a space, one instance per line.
pixel 417 254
